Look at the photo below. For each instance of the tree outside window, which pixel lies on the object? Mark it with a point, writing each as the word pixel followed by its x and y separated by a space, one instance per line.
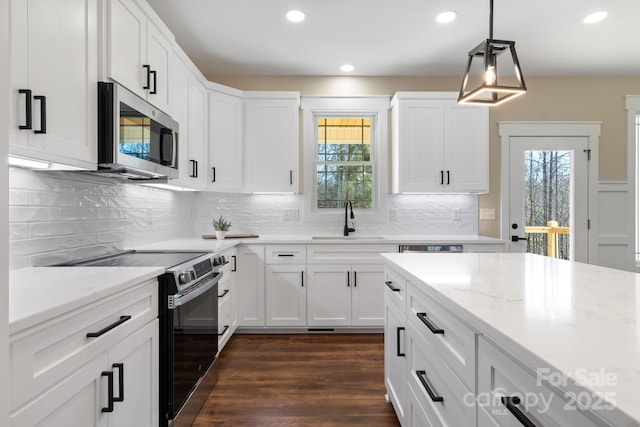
pixel 344 168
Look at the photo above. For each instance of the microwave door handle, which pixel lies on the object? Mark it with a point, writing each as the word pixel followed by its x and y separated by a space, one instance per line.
pixel 174 148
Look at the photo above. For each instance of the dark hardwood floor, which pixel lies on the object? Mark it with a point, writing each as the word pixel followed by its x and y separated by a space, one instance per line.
pixel 300 380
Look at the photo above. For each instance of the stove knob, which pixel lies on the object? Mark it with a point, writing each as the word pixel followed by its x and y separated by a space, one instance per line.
pixel 183 278
pixel 192 274
pixel 223 260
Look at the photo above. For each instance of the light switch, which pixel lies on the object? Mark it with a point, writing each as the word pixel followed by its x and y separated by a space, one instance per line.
pixel 487 214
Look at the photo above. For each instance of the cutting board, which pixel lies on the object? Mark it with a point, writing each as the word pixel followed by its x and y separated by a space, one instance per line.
pixel 232 236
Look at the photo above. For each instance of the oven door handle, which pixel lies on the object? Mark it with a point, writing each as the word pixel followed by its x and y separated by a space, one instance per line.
pixel 183 299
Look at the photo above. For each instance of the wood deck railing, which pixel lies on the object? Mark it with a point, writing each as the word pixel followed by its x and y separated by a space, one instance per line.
pixel 552 231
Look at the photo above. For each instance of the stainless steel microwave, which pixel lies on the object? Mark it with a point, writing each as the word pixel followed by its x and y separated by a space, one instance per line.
pixel 136 141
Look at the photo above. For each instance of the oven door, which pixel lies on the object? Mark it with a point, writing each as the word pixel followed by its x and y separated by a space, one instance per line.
pixel 191 347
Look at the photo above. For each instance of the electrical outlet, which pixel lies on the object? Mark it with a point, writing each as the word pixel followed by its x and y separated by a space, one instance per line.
pixel 291 214
pixel 393 215
pixel 456 214
pixel 487 214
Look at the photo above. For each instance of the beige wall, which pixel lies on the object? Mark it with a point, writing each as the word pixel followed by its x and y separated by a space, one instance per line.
pixel 598 99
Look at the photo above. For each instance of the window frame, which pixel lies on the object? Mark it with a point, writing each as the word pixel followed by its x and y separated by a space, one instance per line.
pixel 374 107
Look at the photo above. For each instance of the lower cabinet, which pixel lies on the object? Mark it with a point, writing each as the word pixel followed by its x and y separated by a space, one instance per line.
pixel 345 295
pixel 228 299
pixel 251 289
pixel 96 366
pixel 286 295
pixel 395 357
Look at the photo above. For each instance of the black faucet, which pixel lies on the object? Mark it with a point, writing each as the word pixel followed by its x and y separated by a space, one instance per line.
pixel 348 229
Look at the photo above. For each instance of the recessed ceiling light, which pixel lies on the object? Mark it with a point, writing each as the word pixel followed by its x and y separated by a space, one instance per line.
pixel 347 68
pixel 446 17
pixel 595 17
pixel 295 16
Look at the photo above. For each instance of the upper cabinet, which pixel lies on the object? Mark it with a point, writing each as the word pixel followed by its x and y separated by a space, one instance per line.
pixel 198 137
pixel 225 142
pixel 271 141
pixel 438 145
pixel 138 53
pixel 54 74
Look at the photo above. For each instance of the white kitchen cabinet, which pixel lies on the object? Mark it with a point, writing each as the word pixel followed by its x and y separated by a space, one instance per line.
pixel 54 74
pixel 251 292
pixel 139 52
pixel 286 295
pixel 227 299
pixel 62 367
pixel 225 142
pixel 345 295
pixel 197 134
pixel 439 145
pixel 271 142
pixel 395 356
pixel 180 77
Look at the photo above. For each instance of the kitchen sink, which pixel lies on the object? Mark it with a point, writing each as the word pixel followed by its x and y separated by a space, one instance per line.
pixel 336 237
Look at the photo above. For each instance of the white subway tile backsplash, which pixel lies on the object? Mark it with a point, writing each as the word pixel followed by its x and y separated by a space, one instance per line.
pixel 63 216
pixel 57 217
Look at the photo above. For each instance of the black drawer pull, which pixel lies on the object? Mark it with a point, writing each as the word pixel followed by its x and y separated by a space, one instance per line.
pixel 213 178
pixel 431 326
pixel 109 376
pixel 348 279
pixel 286 255
pixel 226 291
pixel 108 328
pixel 422 376
pixel 510 402
pixel 448 178
pixel 389 284
pixel 302 279
pixel 155 83
pixel 120 368
pixel 235 263
pixel 223 330
pixel 355 279
pixel 148 69
pixel 441 177
pixel 43 113
pixel 28 117
pixel 398 352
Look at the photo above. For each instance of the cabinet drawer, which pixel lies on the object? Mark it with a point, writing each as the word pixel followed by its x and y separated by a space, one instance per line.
pixel 286 254
pixel 224 319
pixel 499 375
pixel 450 337
pixel 41 356
pixel 432 379
pixel 395 288
pixel 347 253
pixel 224 289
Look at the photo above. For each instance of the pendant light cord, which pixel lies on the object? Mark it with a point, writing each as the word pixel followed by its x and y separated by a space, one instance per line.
pixel 490 19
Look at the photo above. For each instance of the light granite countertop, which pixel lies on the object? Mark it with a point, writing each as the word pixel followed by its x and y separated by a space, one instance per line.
pixel 37 294
pixel 568 316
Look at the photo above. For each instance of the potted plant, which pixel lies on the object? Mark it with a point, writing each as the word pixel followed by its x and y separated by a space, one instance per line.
pixel 221 225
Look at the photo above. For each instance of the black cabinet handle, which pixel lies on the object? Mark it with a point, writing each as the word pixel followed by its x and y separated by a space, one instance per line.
pixel 223 330
pixel 155 82
pixel 235 263
pixel 213 179
pixel 27 109
pixel 518 238
pixel 448 180
pixel 389 284
pixel 291 177
pixel 148 68
pixel 43 113
pixel 422 376
pixel 108 328
pixel 398 352
pixel 441 177
pixel 348 279
pixel 109 376
pixel 302 279
pixel 226 291
pixel 285 255
pixel 120 368
pixel 355 279
pixel 510 403
pixel 194 169
pixel 431 326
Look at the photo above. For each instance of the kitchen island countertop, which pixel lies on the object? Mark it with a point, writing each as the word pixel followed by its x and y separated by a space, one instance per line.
pixel 568 316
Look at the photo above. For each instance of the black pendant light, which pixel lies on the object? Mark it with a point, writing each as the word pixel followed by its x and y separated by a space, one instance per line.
pixel 490 91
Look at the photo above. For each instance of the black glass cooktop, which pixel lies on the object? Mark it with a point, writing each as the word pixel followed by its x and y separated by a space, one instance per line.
pixel 166 259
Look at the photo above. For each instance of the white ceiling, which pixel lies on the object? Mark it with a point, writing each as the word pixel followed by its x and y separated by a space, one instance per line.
pixel 401 37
